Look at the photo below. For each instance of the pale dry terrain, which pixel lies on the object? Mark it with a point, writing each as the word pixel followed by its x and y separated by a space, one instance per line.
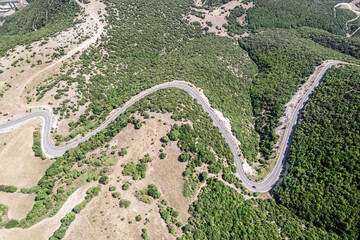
pixel 18 204
pixel 102 218
pixel 18 164
pixel 34 63
pixel 355 4
pixel 218 17
pixel 20 167
pixel 352 6
pixel 19 5
pixel 45 228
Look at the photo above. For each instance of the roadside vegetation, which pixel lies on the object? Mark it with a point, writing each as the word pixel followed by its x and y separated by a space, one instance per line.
pixel 285 60
pixel 61 179
pixel 70 217
pixel 322 186
pixel 222 77
pixel 37 145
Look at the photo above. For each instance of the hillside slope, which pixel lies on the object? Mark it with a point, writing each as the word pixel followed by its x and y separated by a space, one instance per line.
pixel 41 18
pixel 323 182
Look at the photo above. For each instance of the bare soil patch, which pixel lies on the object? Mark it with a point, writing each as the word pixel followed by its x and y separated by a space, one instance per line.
pixel 19 5
pixel 18 164
pixel 104 219
pixel 18 204
pixel 218 16
pixel 34 64
pixel 45 228
pixel 355 4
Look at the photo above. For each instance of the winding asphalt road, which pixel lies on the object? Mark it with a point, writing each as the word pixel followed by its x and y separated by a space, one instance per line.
pixel 271 180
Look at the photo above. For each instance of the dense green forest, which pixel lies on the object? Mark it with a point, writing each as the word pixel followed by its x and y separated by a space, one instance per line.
pixel 323 181
pixel 350 46
pixel 42 18
pixel 284 60
pixel 219 84
pixel 295 13
pixel 221 213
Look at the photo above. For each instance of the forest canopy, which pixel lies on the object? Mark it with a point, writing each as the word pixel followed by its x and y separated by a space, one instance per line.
pixel 324 178
pixel 295 13
pixel 41 18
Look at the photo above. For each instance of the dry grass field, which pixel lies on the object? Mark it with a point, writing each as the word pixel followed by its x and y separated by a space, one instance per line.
pixel 45 228
pixel 18 164
pixel 104 219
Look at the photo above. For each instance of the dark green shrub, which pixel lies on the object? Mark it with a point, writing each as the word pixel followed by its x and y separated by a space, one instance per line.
pixel 153 191
pixel 165 139
pixel 144 234
pixel 60 233
pixel 174 135
pixel 116 195
pixel 126 186
pixel 125 203
pixel 162 155
pixel 123 152
pixel 185 156
pixel 10 189
pixel 203 176
pixel 11 224
pixel 104 180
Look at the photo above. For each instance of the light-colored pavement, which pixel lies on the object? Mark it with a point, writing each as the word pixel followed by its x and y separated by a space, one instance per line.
pixel 271 180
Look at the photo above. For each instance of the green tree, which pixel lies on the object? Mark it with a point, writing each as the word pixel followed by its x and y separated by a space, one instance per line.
pixel 174 135
pixel 203 176
pixel 68 219
pixel 126 186
pixel 162 155
pixel 11 224
pixel 116 195
pixel 185 156
pixel 104 180
pixel 123 152
pixel 153 191
pixel 165 139
pixel 144 234
pixel 125 203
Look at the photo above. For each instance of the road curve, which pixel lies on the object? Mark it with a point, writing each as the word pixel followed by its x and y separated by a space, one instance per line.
pixel 84 45
pixel 349 21
pixel 270 181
